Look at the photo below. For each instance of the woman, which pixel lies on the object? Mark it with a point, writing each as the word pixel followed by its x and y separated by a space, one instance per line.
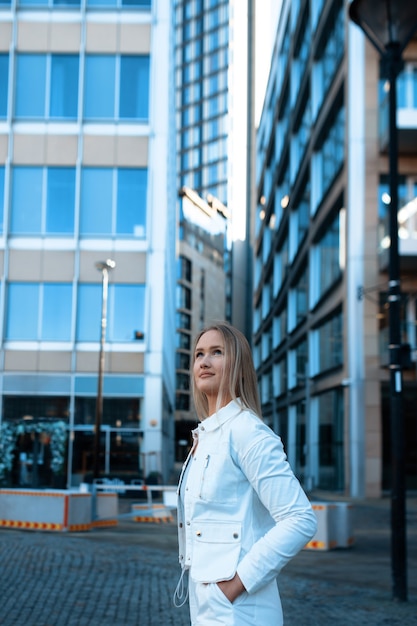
pixel 242 514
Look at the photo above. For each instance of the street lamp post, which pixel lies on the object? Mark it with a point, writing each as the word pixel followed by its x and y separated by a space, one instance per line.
pixel 389 25
pixel 103 267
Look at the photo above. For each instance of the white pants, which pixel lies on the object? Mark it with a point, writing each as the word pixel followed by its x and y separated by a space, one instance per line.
pixel 210 607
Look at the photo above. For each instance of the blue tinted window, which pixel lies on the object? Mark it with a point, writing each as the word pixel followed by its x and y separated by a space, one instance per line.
pixel 99 87
pixel 39 312
pixel 96 201
pixel 4 83
pixel 113 202
pixel 131 202
pixel 22 311
pixel 35 190
pixel 138 3
pixel 1 199
pixel 118 3
pixel 102 92
pixel 30 85
pixel 126 308
pixel 89 313
pixel 60 200
pixel 125 312
pixel 34 80
pixel 134 87
pixel 64 86
pixel 26 201
pixel 45 3
pixel 56 312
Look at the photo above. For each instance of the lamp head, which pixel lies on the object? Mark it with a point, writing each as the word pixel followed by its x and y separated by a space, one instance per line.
pixel 387 24
pixel 109 264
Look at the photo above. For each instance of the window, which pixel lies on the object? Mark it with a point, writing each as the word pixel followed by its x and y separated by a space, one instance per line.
pixel 183 321
pixel 48 3
pixel 60 200
pixel 182 402
pixel 39 312
pixel 327 344
pixel 331 53
pixel 297 365
pixel 4 84
pixel 407 86
pixel 46 86
pixel 279 328
pixel 42 200
pixel 125 312
pixel 184 269
pixel 1 199
pixel 103 212
pixel 116 87
pixel 297 301
pixel 182 361
pixel 183 297
pixel 146 4
pixel 326 260
pixel 328 160
pixel 183 340
pixel 331 464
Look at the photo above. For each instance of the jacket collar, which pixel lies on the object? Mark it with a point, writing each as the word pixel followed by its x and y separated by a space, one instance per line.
pixel 220 417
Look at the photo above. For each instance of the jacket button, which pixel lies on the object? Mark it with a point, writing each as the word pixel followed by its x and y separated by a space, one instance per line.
pixel 180 524
pixel 235 535
pixel 198 533
pixel 188 523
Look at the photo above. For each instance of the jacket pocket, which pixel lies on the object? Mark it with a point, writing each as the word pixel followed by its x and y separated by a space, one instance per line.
pixel 216 550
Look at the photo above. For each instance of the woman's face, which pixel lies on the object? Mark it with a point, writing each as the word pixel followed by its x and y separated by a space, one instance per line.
pixel 209 365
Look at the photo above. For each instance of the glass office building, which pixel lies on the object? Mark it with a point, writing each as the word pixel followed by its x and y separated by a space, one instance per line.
pixel 321 274
pixel 213 86
pixel 85 141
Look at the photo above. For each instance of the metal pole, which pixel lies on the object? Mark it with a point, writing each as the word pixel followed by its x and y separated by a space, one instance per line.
pixel 398 505
pixel 99 401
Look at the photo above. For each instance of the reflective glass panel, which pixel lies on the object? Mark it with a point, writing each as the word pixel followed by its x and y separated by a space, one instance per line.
pixel 131 202
pixel 99 87
pixel 64 86
pixel 56 312
pixel 26 201
pixel 96 201
pixel 88 312
pixel 60 200
pixel 134 87
pixel 126 311
pixel 1 199
pixel 22 311
pixel 4 83
pixel 30 86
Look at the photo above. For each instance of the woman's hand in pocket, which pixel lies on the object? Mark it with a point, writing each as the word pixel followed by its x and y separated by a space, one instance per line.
pixel 232 588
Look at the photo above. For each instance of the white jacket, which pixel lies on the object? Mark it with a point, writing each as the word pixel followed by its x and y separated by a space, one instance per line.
pixel 242 509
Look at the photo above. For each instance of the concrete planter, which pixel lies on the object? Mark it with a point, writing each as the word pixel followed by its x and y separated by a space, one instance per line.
pixel 55 509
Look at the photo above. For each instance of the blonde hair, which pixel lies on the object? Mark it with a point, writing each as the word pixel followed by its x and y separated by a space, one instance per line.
pixel 239 377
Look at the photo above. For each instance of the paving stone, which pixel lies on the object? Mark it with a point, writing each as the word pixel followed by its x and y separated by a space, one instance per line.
pixel 126 576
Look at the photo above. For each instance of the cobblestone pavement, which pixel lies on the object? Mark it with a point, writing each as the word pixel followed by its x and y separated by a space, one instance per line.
pixel 126 576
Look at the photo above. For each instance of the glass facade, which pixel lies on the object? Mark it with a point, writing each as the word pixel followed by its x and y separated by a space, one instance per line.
pixel 108 203
pixel 322 241
pixel 299 261
pixel 202 58
pixel 78 143
pixel 47 87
